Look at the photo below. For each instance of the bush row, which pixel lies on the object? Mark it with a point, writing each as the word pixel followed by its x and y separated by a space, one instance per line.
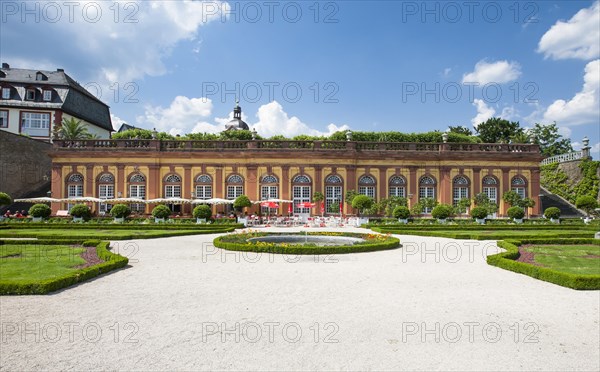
pixel 111 262
pixel 89 226
pixel 485 227
pixel 478 236
pixel 506 260
pixel 391 243
pixel 132 236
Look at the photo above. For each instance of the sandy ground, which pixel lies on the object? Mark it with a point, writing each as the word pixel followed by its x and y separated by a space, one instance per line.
pixel 184 305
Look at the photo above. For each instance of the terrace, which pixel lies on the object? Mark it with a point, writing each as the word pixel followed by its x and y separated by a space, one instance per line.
pixel 270 145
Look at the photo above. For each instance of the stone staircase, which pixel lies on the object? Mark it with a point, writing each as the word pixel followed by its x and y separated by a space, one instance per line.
pixel 567 210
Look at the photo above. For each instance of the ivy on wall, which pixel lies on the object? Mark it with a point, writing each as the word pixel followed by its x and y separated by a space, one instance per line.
pixel 556 180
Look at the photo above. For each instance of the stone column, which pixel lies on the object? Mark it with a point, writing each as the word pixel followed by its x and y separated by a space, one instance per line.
pixel 445 186
pixel 535 191
pixel 57 186
pixel 504 186
pixel 382 181
pixel 120 181
pixel 476 181
pixel 187 189
pixel 413 188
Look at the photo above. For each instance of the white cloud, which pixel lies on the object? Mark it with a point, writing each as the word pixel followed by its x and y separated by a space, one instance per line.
pixel 484 112
pixel 116 121
pixel 565 132
pixel 579 37
pixel 182 116
pixel 126 42
pixel 510 113
pixel 584 107
pixel 499 72
pixel 192 115
pixel 272 120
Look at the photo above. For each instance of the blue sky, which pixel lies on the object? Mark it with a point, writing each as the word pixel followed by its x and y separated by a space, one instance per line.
pixel 316 67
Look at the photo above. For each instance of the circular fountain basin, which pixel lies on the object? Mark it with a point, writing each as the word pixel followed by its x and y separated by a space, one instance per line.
pixel 308 239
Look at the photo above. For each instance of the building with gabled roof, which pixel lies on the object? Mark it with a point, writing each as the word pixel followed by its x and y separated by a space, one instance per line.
pixel 34 103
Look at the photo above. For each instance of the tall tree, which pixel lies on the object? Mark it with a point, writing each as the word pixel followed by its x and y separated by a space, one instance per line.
pixel 551 143
pixel 460 130
pixel 496 130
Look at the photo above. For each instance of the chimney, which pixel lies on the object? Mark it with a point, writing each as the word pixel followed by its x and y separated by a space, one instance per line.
pixel 5 65
pixel 60 70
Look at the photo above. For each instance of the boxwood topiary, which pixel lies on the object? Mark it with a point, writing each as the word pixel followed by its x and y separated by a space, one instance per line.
pixel 515 213
pixel 81 210
pixel 5 199
pixel 40 210
pixel 479 213
pixel 441 211
pixel 202 211
pixel 161 211
pixel 552 212
pixel 401 212
pixel 120 211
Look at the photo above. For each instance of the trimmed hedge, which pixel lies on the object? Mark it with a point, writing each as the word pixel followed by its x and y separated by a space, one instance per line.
pixel 90 226
pixel 474 235
pixel 111 262
pixel 132 236
pixel 506 260
pixel 390 243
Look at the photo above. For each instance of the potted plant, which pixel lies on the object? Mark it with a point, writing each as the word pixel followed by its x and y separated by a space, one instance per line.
pixel 202 213
pixel 39 212
pixel 5 199
pixel 553 214
pixel 588 204
pixel 516 213
pixel 318 198
pixel 479 214
pixel 160 213
pixel 362 203
pixel 402 213
pixel 80 212
pixel 120 212
pixel 441 212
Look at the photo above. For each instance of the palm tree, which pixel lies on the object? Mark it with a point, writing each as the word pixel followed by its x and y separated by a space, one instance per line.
pixel 73 129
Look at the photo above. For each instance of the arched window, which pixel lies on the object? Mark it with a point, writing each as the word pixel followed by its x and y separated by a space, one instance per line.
pixel 333 193
pixel 235 186
pixel 269 188
pixel 106 190
pixel 427 187
pixel 74 187
pixel 137 189
pixel 301 192
pixel 519 185
pixel 366 186
pixel 489 186
pixel 460 189
pixel 397 186
pixel 203 187
pixel 172 186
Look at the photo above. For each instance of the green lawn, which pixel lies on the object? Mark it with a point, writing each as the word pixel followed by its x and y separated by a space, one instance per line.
pixel 99 233
pixel 26 263
pixel 568 258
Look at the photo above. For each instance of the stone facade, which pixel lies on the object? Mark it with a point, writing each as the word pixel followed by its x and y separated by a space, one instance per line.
pixel 294 170
pixel 24 164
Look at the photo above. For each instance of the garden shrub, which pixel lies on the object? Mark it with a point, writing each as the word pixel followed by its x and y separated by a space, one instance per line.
pixel 587 203
pixel 5 199
pixel 479 212
pixel 552 212
pixel 161 211
pixel 442 211
pixel 40 210
pixel 202 211
pixel 120 211
pixel 401 212
pixel 81 210
pixel 516 213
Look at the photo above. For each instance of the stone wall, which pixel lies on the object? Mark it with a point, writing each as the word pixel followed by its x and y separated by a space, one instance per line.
pixel 24 164
pixel 571 168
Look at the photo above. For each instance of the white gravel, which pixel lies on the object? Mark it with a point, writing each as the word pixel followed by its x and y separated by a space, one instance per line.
pixel 432 305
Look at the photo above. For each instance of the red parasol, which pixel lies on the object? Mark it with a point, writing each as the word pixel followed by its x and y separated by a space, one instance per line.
pixel 322 207
pixel 269 204
pixel 305 205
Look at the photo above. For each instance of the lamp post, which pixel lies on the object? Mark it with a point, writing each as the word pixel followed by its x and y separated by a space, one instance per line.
pixel 445 137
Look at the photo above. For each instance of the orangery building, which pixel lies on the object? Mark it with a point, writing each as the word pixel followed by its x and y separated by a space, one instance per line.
pixel 291 170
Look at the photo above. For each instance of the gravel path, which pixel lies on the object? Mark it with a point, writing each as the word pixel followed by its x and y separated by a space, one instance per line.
pixel 184 305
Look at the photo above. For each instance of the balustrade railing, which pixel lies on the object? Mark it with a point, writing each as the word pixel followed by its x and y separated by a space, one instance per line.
pixel 266 145
pixel 562 158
